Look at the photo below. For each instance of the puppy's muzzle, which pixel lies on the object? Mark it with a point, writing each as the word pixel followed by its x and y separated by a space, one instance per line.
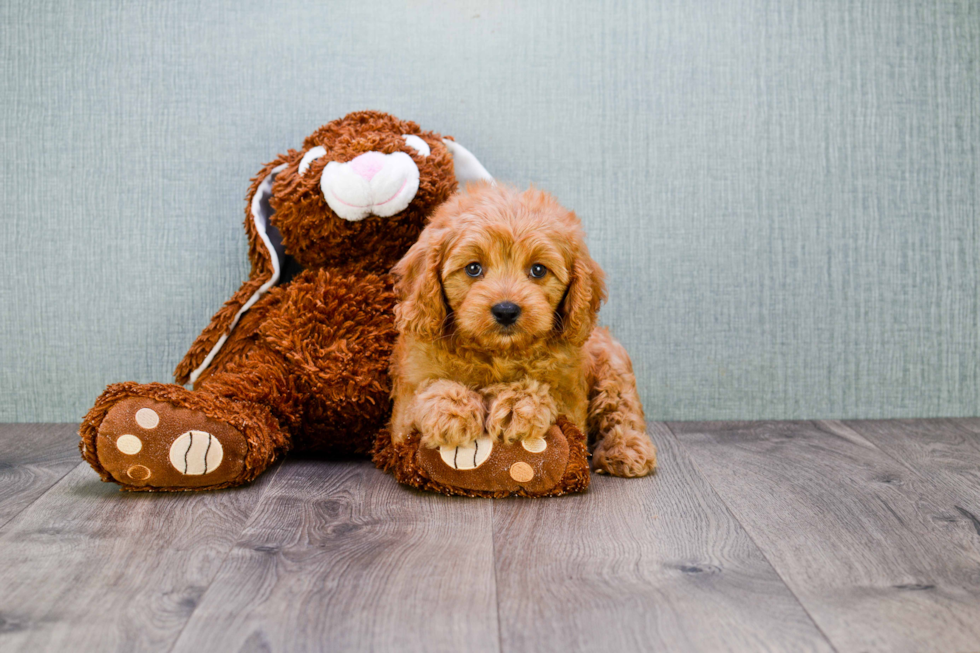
pixel 505 313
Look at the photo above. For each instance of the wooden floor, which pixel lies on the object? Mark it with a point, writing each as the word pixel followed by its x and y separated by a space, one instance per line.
pixel 791 536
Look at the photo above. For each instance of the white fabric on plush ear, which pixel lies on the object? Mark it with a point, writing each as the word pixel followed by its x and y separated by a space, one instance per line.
pixel 311 156
pixel 261 210
pixel 468 168
pixel 417 144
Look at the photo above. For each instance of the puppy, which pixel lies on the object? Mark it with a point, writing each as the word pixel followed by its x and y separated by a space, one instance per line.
pixel 496 322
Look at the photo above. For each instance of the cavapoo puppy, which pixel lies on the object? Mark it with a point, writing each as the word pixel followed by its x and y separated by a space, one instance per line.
pixel 496 321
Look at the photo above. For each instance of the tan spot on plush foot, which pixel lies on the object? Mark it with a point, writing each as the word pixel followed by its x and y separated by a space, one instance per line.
pixel 138 473
pixel 147 418
pixel 129 444
pixel 467 456
pixel 534 445
pixel 521 472
pixel 195 453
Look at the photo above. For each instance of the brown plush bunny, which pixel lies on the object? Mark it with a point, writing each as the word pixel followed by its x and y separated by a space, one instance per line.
pixel 298 357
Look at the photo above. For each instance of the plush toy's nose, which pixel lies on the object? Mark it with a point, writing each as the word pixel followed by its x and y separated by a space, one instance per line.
pixel 368 164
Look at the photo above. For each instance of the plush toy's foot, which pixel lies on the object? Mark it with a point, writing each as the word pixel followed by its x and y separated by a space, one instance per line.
pixel 143 442
pixel 554 465
pixel 163 437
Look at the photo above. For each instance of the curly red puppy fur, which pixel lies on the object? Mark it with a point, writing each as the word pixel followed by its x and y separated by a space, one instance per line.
pixel 496 322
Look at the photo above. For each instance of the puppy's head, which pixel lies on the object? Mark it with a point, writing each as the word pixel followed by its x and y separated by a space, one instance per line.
pixel 501 269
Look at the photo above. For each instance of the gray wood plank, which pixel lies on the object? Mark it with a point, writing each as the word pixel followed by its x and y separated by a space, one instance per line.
pixel 640 564
pixel 339 557
pixel 947 451
pixel 865 543
pixel 33 457
pixel 87 567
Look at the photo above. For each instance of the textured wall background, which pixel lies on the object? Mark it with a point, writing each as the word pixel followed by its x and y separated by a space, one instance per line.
pixel 784 192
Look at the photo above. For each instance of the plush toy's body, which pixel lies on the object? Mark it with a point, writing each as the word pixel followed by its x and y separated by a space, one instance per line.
pixel 298 357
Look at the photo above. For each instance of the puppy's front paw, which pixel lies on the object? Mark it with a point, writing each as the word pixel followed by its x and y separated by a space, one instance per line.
pixel 519 411
pixel 625 452
pixel 448 414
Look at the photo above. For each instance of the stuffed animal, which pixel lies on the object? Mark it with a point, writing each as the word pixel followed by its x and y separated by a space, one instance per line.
pixel 499 369
pixel 297 359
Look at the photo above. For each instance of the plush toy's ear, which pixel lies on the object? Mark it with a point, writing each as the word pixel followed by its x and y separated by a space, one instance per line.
pixel 421 310
pixel 265 252
pixel 586 292
pixel 468 168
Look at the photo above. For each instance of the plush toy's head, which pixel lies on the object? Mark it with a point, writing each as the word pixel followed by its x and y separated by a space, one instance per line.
pixel 358 194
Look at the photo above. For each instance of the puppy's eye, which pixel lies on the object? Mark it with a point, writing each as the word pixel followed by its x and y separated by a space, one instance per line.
pixel 538 271
pixel 474 269
pixel 311 156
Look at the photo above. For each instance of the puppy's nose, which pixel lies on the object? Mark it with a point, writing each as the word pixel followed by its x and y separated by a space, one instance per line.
pixel 506 313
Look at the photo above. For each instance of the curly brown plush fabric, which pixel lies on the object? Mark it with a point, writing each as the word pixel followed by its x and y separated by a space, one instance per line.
pixel 313 234
pixel 306 367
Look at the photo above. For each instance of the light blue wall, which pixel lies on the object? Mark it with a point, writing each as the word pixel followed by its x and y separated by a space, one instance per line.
pixel 783 192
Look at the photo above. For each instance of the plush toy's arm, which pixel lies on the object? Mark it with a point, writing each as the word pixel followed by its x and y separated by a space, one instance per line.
pixel 218 327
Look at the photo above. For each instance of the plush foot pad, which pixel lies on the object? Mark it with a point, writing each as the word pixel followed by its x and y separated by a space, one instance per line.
pixel 550 466
pixel 153 444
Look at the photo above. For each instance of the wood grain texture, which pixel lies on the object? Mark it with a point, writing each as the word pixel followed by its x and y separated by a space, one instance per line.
pixel 87 567
pixel 339 557
pixel 752 537
pixel 866 544
pixel 946 451
pixel 640 564
pixel 33 457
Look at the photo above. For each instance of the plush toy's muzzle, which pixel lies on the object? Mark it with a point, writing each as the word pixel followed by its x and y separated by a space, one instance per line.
pixel 371 184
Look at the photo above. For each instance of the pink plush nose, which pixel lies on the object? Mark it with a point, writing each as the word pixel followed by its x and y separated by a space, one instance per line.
pixel 368 164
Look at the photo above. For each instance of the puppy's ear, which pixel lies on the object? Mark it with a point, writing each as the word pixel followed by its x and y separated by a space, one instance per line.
pixel 586 292
pixel 421 309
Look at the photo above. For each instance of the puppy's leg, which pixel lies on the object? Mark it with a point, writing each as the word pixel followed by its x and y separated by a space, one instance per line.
pixel 616 420
pixel 448 414
pixel 523 410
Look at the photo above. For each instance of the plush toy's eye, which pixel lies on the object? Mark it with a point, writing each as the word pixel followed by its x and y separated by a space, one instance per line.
pixel 417 144
pixel 311 156
pixel 538 271
pixel 474 269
